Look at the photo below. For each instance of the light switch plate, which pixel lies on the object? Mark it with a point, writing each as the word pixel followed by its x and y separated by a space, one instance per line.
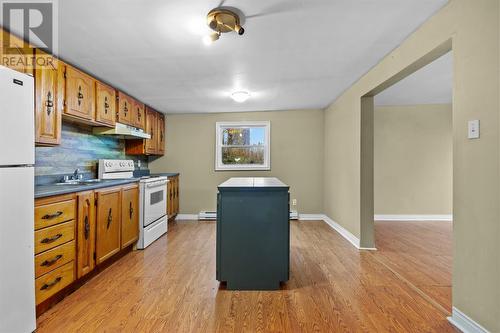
pixel 473 129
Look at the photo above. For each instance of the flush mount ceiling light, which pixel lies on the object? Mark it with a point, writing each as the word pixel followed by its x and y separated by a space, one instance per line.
pixel 240 96
pixel 222 21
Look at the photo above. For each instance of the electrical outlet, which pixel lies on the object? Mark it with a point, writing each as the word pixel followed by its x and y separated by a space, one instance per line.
pixel 294 202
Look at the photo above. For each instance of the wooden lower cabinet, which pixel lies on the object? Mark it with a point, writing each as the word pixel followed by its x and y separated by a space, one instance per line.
pixel 74 233
pixel 52 259
pixel 86 233
pixel 173 196
pixel 50 283
pixel 130 215
pixel 108 223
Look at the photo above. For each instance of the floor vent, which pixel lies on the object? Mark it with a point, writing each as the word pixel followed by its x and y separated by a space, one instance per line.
pixel 207 216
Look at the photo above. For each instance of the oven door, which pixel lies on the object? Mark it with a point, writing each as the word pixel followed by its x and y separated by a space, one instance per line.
pixel 155 201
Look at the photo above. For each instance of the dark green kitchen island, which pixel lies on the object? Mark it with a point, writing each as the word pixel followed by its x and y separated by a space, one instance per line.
pixel 253 233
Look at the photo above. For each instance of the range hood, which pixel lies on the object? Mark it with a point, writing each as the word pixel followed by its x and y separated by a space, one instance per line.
pixel 122 131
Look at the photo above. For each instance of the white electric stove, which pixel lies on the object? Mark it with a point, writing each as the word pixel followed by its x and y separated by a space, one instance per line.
pixel 153 199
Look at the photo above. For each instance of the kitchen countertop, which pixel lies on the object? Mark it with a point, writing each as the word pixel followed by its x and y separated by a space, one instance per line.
pixel 42 191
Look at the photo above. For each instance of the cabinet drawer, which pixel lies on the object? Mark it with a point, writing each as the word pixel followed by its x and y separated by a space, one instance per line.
pixel 52 259
pixel 48 215
pixel 51 237
pixel 50 283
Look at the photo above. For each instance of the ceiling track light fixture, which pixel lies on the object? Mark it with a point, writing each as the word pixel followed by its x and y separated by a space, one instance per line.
pixel 222 21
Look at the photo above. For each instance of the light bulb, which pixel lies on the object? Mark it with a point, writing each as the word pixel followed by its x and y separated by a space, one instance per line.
pixel 207 40
pixel 240 96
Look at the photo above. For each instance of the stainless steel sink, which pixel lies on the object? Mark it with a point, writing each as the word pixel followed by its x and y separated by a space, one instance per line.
pixel 90 181
pixel 69 182
pixel 79 182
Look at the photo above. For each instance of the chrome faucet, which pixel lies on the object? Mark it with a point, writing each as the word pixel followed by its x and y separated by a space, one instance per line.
pixel 76 175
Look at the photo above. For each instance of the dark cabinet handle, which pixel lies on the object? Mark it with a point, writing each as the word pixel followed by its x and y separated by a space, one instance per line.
pixel 125 109
pixel 50 103
pixel 138 114
pixel 80 95
pixel 51 284
pixel 52 216
pixel 52 261
pixel 86 229
pixel 106 105
pixel 51 239
pixel 110 218
pixel 131 210
pixel 161 136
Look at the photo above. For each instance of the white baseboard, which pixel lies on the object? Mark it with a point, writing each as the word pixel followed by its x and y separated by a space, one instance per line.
pixel 311 217
pixel 346 234
pixel 464 323
pixel 413 217
pixel 187 217
pixel 304 217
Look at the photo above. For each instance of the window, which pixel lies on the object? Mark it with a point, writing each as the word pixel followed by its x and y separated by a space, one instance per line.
pixel 243 146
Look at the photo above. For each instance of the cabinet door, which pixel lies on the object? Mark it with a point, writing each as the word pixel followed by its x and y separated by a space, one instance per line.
pixel 15 53
pixel 170 195
pixel 161 134
pixel 79 99
pixel 139 116
pixel 47 112
pixel 176 196
pixel 130 216
pixel 151 128
pixel 108 224
pixel 105 109
pixel 125 109
pixel 85 233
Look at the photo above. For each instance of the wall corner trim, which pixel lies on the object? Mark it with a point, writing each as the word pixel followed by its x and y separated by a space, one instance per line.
pixel 413 217
pixel 337 227
pixel 464 323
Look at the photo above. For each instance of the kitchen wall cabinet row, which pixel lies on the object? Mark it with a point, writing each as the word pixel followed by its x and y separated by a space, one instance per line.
pixel 155 126
pixel 75 233
pixel 63 91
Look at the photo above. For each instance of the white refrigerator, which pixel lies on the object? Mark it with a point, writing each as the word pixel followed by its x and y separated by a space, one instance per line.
pixel 17 159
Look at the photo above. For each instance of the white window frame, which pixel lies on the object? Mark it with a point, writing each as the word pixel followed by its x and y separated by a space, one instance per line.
pixel 220 126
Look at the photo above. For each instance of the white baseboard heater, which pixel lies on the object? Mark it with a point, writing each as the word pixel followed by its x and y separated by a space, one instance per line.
pixel 205 215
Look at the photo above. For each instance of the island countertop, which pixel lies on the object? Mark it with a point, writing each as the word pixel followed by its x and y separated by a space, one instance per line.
pixel 253 182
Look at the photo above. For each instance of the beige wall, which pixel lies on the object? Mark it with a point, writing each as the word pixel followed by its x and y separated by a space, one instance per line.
pixel 413 159
pixel 473 27
pixel 296 156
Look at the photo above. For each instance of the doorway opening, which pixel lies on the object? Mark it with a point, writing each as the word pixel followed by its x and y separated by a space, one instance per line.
pixel 409 166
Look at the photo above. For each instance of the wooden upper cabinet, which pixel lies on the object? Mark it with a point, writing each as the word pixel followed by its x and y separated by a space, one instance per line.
pixel 108 223
pixel 130 215
pixel 139 115
pixel 160 148
pixel 15 53
pixel 47 110
pixel 79 94
pixel 125 109
pixel 151 128
pixel 86 233
pixel 105 108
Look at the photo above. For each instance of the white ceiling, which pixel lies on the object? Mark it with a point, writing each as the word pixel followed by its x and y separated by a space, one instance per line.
pixel 294 54
pixel 432 84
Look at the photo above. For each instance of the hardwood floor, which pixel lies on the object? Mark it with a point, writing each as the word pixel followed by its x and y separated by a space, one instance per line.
pixel 171 287
pixel 421 252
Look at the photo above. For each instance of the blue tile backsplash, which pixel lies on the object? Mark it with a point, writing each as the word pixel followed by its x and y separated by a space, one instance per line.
pixel 80 148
